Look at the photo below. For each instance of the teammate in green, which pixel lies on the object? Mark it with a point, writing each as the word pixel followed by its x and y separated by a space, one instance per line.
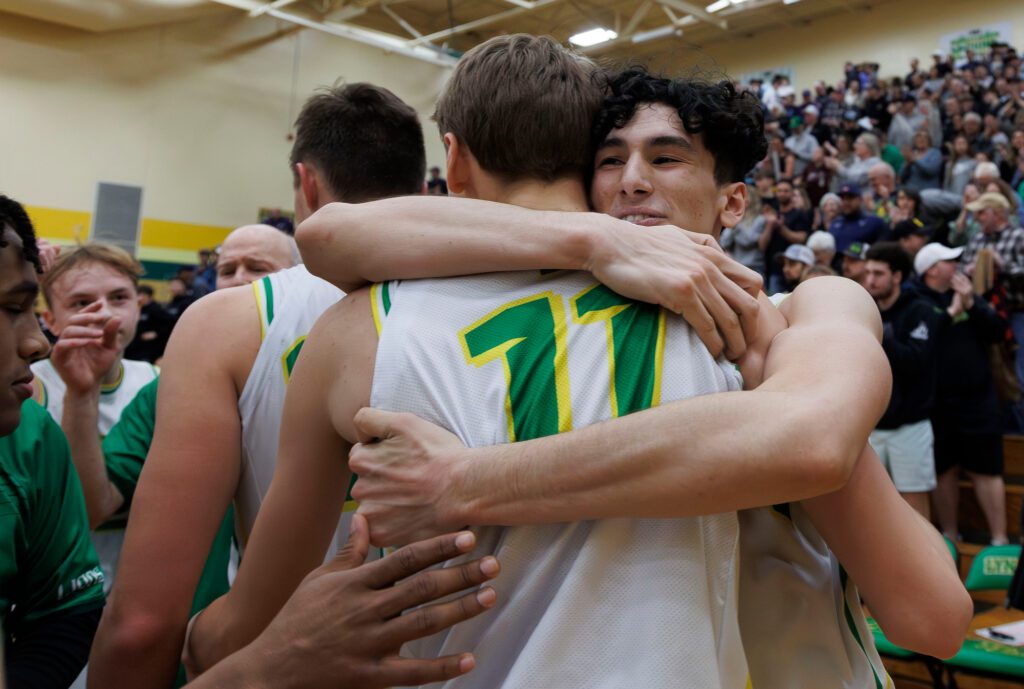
pixel 51 584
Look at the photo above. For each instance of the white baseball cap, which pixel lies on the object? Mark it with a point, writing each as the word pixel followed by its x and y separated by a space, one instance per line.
pixel 799 252
pixel 930 254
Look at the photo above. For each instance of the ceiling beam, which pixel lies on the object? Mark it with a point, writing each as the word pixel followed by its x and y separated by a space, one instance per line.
pixel 696 12
pixel 478 23
pixel 401 22
pixel 387 42
pixel 637 17
pixel 276 4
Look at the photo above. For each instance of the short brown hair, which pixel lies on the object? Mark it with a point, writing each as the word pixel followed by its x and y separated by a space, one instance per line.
pixel 97 252
pixel 365 141
pixel 524 106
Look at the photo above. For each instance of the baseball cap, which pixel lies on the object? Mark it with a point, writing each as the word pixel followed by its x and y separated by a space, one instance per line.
pixel 786 91
pixel 811 109
pixel 798 252
pixel 857 250
pixel 905 228
pixel 930 254
pixel 850 190
pixel 990 199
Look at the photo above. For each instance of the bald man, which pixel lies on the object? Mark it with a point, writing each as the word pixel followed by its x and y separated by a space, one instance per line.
pixel 252 251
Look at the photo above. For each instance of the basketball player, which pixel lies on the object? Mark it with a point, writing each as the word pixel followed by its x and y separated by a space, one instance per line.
pixel 787 565
pixel 51 585
pixel 222 389
pixel 516 356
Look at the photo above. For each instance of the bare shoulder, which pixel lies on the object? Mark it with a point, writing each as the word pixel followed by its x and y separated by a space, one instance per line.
pixel 834 301
pixel 220 332
pixel 341 351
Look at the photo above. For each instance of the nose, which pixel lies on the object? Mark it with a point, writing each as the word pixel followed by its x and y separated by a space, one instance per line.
pixel 32 344
pixel 636 177
pixel 104 309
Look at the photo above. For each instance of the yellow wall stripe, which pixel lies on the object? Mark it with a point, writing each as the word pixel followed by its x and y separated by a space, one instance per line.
pixel 67 226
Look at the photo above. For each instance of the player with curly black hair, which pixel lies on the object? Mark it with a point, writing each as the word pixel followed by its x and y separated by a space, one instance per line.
pixel 13 215
pixel 51 586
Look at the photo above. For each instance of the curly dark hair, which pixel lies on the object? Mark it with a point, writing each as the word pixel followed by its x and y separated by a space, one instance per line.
pixel 13 215
pixel 730 123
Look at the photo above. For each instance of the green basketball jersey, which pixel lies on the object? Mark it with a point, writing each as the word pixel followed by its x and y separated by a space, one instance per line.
pixel 47 562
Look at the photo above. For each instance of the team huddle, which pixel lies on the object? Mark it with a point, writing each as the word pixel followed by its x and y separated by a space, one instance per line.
pixel 666 476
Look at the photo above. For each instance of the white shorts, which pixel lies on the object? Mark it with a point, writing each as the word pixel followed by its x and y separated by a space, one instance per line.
pixel 908 454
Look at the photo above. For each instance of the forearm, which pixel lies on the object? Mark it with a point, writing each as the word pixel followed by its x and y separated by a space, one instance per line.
pixel 897 559
pixel 415 237
pixel 242 670
pixel 80 425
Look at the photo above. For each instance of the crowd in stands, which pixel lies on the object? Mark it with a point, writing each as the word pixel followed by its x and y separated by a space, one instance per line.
pixel 912 185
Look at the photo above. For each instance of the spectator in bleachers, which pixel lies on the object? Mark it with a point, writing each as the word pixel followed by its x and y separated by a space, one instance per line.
pixel 960 166
pixel 742 241
pixel 790 226
pixel 437 185
pixel 975 137
pixel 816 178
pixel 252 251
pixel 153 330
pixel 965 226
pixel 824 247
pixel 796 259
pixel 828 210
pixel 854 225
pixel 903 438
pixel 882 180
pixel 992 212
pixel 912 235
pixel 965 418
pixel 908 205
pixel 923 168
pixel 801 144
pixel 865 152
pixel 853 261
pixel 906 120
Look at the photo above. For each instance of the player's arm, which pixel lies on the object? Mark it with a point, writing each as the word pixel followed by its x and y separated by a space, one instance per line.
pixel 341 628
pixel 898 560
pixel 189 479
pixel 85 352
pixel 422 236
pixel 797 435
pixel 296 521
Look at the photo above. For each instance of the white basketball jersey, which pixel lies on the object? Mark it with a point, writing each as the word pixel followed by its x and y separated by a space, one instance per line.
pixel 113 398
pixel 611 603
pixel 801 617
pixel 802 622
pixel 134 376
pixel 289 302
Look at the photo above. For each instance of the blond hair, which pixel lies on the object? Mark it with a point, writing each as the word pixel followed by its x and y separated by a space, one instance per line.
pixel 97 252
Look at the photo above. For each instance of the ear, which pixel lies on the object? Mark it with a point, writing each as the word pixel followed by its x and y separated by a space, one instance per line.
pixel 49 320
pixel 309 185
pixel 457 163
pixel 732 204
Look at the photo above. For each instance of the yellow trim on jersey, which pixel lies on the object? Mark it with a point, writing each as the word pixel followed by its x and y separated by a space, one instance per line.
pixel 602 316
pixel 659 359
pixel 563 393
pixel 111 387
pixel 350 506
pixel 260 308
pixel 374 307
pixel 284 359
pixel 40 393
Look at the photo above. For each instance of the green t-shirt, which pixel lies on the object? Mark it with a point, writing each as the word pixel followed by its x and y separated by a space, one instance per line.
pixel 47 562
pixel 125 449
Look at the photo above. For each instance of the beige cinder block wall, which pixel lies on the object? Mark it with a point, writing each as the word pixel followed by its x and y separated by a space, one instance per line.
pixel 197 113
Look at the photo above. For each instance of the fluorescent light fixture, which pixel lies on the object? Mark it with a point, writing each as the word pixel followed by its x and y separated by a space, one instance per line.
pixel 655 34
pixel 790 2
pixel 717 6
pixel 592 37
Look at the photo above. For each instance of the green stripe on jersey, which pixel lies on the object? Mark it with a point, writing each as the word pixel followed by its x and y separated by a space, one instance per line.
pixel 385 297
pixel 269 291
pixel 853 627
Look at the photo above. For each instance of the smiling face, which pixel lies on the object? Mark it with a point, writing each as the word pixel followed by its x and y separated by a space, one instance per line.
pixel 21 340
pixel 90 282
pixel 651 172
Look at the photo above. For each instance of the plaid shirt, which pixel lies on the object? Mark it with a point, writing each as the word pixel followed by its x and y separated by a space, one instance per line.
pixel 1008 244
